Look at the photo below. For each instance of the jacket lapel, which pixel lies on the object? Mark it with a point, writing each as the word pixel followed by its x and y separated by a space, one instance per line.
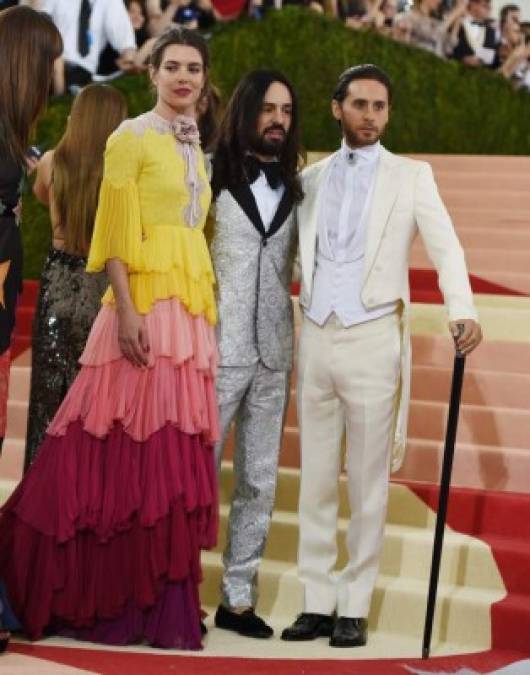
pixel 308 214
pixel 282 212
pixel 385 193
pixel 244 197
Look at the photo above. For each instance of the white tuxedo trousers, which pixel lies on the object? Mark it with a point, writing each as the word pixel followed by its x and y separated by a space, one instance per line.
pixel 348 380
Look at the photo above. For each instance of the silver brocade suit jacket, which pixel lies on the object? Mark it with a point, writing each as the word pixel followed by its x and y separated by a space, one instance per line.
pixel 253 271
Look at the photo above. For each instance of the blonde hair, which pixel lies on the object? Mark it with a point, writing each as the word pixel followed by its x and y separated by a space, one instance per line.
pixel 78 162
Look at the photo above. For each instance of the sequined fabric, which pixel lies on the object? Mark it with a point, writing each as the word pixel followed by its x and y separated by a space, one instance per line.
pixel 256 398
pixel 68 303
pixel 255 333
pixel 253 288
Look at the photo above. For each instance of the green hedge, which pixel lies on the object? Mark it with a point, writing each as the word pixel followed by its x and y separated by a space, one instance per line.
pixel 439 106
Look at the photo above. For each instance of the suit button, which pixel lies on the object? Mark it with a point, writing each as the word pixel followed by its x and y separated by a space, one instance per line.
pixel 264 241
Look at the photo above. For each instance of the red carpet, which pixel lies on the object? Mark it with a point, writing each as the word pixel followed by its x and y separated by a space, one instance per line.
pixel 502 520
pixel 123 663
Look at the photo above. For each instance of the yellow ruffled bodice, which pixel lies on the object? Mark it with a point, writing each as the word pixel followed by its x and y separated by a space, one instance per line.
pixel 141 219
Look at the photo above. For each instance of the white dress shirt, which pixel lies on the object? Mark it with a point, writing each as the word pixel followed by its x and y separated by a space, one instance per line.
pixel 109 22
pixel 475 36
pixel 339 263
pixel 267 199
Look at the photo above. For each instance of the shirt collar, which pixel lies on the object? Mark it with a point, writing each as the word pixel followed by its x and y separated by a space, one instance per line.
pixel 369 154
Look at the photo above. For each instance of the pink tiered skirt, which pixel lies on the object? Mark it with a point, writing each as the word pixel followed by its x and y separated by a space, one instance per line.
pixel 101 540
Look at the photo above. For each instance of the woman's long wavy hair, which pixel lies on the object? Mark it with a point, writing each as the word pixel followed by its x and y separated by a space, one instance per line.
pixel 238 127
pixel 29 45
pixel 78 162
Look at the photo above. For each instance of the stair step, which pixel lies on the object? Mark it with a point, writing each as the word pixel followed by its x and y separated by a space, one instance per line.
pixel 481 387
pixel 19 382
pixel 483 467
pixel 492 355
pixel 12 458
pixel 398 604
pixel 478 425
pixel 407 551
pixel 492 260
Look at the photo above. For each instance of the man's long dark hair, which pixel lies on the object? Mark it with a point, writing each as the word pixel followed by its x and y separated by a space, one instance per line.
pixel 238 126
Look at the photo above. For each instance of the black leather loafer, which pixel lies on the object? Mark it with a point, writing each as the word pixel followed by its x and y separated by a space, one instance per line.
pixel 348 633
pixel 248 623
pixel 309 627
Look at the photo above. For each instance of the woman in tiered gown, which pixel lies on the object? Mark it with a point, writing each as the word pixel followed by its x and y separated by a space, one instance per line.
pixel 101 540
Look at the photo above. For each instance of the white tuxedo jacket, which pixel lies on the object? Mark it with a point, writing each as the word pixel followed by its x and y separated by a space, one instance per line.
pixel 405 200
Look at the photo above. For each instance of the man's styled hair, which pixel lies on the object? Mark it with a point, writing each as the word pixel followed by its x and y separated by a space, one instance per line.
pixel 238 127
pixel 505 11
pixel 366 71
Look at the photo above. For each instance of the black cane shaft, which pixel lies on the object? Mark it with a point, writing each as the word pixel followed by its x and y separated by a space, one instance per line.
pixel 445 483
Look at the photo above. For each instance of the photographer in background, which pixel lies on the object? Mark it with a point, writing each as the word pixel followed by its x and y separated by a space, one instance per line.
pixel 86 26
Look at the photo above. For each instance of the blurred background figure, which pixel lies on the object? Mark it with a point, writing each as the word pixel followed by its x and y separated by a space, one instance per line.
pixel 514 53
pixel 86 27
pixel 29 47
pixel 477 41
pixel 68 181
pixel 424 27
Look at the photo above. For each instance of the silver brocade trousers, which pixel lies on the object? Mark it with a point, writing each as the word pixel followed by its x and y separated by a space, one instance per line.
pixel 255 398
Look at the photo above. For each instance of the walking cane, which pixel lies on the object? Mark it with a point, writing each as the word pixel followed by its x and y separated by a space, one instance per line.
pixel 445 483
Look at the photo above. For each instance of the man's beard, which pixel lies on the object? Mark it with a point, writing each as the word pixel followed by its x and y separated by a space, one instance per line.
pixel 268 148
pixel 356 141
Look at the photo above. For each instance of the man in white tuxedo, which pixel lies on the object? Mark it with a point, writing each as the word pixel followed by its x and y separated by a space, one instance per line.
pixel 361 211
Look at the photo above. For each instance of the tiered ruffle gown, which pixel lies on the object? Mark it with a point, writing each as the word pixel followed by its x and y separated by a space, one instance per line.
pixel 101 540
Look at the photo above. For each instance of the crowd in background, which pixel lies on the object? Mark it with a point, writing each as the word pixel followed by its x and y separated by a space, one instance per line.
pixel 104 38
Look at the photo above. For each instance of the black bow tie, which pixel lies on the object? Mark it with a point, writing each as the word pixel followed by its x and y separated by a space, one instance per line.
pixel 272 171
pixel 478 23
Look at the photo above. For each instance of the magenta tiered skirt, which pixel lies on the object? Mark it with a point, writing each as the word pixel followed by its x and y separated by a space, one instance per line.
pixel 101 540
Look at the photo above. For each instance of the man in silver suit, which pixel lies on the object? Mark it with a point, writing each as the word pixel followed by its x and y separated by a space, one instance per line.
pixel 253 245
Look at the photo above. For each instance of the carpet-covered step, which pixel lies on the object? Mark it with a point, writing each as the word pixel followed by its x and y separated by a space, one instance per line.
pixel 481 387
pixel 406 551
pixel 492 260
pixel 19 379
pixel 467 181
pixel 497 199
pixel 487 467
pixel 476 237
pixel 477 424
pixel 398 604
pixel 503 320
pixel 484 165
pixel 12 459
pixel 492 355
pixel 484 513
pixel 17 418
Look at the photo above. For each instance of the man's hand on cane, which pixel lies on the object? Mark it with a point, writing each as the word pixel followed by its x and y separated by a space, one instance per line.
pixel 470 337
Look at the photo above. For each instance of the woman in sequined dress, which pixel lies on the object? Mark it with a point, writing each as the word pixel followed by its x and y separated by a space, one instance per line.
pixel 101 540
pixel 68 181
pixel 29 45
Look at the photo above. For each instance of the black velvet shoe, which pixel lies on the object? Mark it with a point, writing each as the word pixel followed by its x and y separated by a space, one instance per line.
pixel 248 623
pixel 348 633
pixel 203 628
pixel 309 627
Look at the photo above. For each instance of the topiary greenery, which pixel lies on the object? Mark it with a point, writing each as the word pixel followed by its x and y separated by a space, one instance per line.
pixel 439 106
